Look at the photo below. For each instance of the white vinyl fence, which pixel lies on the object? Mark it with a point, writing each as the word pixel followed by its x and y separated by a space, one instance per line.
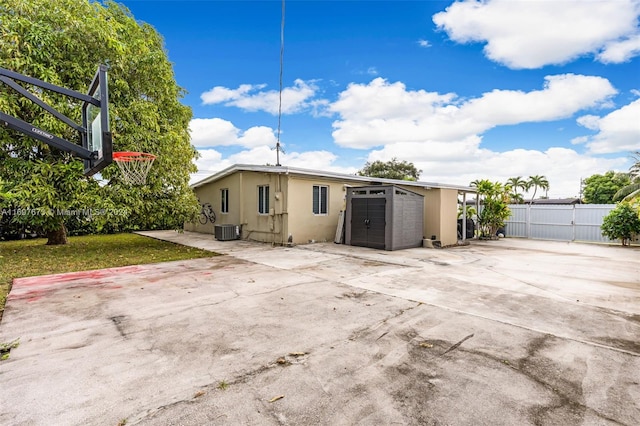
pixel 580 222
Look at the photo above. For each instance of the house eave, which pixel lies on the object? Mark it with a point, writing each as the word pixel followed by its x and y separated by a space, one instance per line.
pixel 365 180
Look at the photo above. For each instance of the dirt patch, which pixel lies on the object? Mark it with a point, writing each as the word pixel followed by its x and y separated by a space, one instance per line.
pixel 352 295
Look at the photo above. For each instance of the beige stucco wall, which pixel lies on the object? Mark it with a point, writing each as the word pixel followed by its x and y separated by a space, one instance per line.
pixel 432 213
pixel 243 205
pixel 272 227
pixel 303 224
pixel 449 217
pixel 211 194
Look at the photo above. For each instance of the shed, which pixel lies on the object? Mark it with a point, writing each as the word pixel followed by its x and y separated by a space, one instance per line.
pixel 384 217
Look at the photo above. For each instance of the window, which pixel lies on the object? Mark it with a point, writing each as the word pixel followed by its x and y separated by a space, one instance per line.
pixel 320 199
pixel 224 200
pixel 263 199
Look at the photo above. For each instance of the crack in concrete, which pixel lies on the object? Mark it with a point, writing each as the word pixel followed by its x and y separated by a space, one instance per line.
pixel 246 376
pixel 525 367
pixel 366 330
pixel 455 346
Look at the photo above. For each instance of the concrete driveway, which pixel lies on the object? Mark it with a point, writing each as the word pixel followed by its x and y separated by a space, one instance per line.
pixel 509 332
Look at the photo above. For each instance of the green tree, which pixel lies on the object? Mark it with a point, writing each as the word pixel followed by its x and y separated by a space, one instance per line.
pixel 394 169
pixel 494 210
pixel 536 182
pixel 4 195
pixel 631 191
pixel 64 45
pixel 600 189
pixel 622 223
pixel 513 184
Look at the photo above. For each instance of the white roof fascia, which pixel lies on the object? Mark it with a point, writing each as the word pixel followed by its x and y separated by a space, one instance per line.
pixel 320 173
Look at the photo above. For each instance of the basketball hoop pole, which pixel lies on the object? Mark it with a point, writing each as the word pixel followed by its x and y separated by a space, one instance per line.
pixel 7 77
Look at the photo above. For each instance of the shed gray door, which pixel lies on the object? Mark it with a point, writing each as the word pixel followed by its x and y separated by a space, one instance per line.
pixel 368 222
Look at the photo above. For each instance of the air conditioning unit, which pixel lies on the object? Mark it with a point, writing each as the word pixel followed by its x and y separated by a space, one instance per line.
pixel 226 232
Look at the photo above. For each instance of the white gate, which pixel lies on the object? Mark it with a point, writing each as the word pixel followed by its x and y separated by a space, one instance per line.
pixel 580 222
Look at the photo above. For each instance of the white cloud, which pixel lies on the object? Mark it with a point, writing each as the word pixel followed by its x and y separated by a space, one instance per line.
pixel 444 162
pixel 579 140
pixel 561 97
pixel 210 132
pixel 424 43
pixel 251 98
pixel 380 112
pixel 381 99
pixel 620 50
pixel 462 162
pixel 257 147
pixel 211 161
pixel 618 131
pixel 221 94
pixel 532 34
pixel 442 134
pixel 452 162
pixel 589 121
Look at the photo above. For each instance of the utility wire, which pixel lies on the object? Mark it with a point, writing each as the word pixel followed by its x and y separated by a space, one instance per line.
pixel 278 148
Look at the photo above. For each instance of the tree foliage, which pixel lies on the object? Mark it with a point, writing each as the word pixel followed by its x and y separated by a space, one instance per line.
pixel 622 223
pixel 631 191
pixel 537 182
pixel 600 189
pixel 512 185
pixel 394 169
pixel 63 43
pixel 494 210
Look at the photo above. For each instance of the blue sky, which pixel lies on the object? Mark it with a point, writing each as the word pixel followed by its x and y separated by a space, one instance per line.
pixel 465 90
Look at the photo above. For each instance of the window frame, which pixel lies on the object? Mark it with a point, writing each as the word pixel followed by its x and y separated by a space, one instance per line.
pixel 224 200
pixel 322 208
pixel 263 193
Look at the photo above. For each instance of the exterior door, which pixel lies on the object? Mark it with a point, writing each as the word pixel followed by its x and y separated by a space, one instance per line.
pixel 368 222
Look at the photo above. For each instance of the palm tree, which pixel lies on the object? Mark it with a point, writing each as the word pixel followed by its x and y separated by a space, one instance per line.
pixel 632 190
pixel 536 182
pixel 516 183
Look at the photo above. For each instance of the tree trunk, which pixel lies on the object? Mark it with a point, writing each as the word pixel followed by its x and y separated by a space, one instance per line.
pixel 58 236
pixel 535 189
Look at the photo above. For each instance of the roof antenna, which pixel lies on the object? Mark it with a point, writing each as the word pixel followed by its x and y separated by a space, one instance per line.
pixel 278 147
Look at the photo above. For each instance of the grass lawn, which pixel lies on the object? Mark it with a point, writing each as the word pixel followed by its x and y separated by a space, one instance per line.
pixel 27 258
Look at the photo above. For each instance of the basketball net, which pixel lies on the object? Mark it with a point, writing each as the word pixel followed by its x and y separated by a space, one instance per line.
pixel 134 166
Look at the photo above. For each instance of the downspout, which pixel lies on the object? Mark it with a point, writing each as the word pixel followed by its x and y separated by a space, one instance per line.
pixel 281 215
pixel 478 213
pixel 464 215
pixel 242 221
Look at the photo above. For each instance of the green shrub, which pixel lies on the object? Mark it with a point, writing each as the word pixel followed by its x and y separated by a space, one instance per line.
pixel 621 223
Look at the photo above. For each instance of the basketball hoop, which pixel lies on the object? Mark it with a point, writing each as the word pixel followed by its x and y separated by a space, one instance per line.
pixel 134 166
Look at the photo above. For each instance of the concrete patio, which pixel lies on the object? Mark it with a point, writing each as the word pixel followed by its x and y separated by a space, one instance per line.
pixel 503 332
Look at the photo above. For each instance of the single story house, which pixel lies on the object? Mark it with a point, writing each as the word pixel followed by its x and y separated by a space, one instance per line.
pixel 284 205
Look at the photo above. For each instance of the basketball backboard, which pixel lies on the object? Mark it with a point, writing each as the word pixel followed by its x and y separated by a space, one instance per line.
pixel 95 119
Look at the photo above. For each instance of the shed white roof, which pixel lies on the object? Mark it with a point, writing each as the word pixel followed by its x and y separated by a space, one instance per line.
pixel 366 180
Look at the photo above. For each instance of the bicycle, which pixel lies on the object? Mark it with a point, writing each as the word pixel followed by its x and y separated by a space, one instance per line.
pixel 207 214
